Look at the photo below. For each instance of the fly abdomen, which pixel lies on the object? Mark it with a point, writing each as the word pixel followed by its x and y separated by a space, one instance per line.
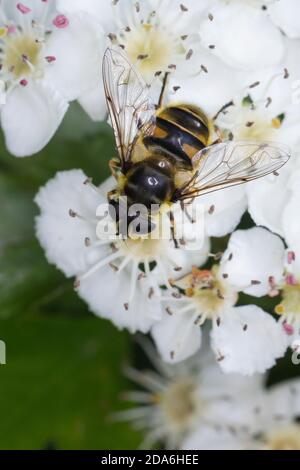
pixel 181 132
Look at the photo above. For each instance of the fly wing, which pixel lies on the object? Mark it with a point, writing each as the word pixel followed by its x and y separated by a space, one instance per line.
pixel 130 108
pixel 233 163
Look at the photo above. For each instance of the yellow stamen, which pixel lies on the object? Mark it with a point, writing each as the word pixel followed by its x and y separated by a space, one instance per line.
pixel 3 32
pixel 279 309
pixel 276 123
pixel 147 26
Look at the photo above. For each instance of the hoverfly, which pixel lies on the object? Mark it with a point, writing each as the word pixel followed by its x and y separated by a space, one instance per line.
pixel 166 153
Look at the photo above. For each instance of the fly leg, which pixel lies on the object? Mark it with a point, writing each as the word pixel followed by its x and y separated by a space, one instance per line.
pixel 114 167
pixel 183 205
pixel 219 139
pixel 223 109
pixel 173 231
pixel 111 194
pixel 161 96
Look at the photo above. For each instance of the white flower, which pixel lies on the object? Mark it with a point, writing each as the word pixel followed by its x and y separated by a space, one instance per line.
pixel 288 308
pixel 251 258
pixel 108 273
pixel 264 111
pixel 42 68
pixel 158 37
pixel 280 430
pixel 273 415
pixel 177 400
pixel 242 34
pixel 245 339
pixel 261 255
pixel 224 210
pixel 31 107
pixel 285 14
pixel 274 202
pixel 263 108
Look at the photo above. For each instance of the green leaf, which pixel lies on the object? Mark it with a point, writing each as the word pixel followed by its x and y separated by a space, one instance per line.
pixel 61 384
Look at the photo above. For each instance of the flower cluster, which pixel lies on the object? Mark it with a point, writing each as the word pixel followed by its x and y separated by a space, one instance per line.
pixel 194 406
pixel 236 60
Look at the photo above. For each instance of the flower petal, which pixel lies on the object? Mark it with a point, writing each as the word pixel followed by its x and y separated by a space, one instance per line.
pixel 213 438
pixel 285 15
pixel 78 50
pixel 94 104
pixel 247 340
pixel 252 257
pixel 23 12
pixel 285 399
pixel 224 210
pixel 260 43
pixel 214 85
pixel 290 218
pixel 106 293
pixel 176 336
pixel 62 236
pixel 31 116
pixel 102 11
pixel 267 199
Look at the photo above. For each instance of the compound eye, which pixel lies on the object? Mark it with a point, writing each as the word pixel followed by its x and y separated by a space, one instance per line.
pixel 152 181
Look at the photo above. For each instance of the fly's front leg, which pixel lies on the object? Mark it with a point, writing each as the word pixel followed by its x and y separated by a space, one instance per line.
pixel 183 205
pixel 111 194
pixel 219 139
pixel 164 85
pixel 114 167
pixel 173 230
pixel 223 109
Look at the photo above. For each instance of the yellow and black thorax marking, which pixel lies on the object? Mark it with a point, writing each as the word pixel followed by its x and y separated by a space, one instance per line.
pixel 181 131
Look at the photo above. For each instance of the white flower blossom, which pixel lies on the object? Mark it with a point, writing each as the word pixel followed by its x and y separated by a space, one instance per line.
pixel 157 36
pixel 108 273
pixel 261 255
pixel 245 339
pixel 243 34
pixel 42 69
pixel 176 400
pixel 289 287
pixel 275 412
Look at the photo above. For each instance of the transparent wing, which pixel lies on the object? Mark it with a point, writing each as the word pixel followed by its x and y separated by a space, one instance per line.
pixel 232 163
pixel 128 102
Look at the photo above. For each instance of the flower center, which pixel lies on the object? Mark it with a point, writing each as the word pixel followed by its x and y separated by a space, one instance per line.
pixel 209 292
pixel 250 121
pixel 141 248
pixel 154 40
pixel 255 125
pixel 256 130
pixel 290 304
pixel 287 438
pixel 22 54
pixel 151 46
pixel 180 403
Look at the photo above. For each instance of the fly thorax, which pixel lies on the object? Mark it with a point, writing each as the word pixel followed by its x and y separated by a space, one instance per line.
pixel 148 183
